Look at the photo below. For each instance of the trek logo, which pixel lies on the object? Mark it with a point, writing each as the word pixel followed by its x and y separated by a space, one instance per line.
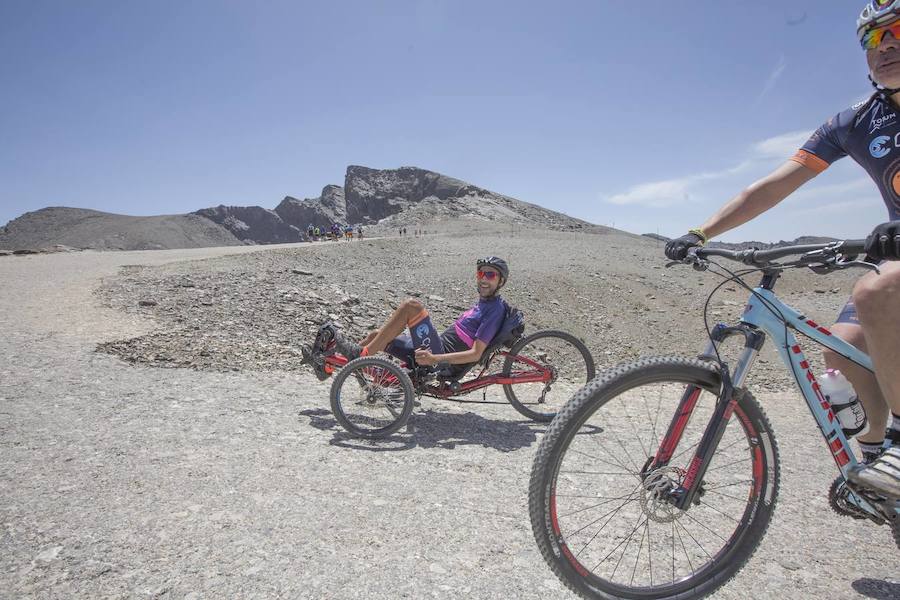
pixel 880 146
pixel 879 122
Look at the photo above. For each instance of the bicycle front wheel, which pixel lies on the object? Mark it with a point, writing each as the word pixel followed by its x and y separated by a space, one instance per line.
pixel 372 397
pixel 564 355
pixel 595 507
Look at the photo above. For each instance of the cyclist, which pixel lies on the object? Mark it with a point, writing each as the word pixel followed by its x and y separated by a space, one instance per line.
pixel 461 344
pixel 317 233
pixel 869 132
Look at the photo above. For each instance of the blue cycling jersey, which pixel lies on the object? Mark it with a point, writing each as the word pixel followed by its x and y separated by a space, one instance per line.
pixel 868 132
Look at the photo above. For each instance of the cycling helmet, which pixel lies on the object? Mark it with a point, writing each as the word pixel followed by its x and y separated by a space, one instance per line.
pixel 499 264
pixel 875 14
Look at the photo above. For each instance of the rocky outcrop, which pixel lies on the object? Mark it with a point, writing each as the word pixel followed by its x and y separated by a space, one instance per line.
pixel 374 194
pixel 328 208
pixel 411 195
pixel 253 224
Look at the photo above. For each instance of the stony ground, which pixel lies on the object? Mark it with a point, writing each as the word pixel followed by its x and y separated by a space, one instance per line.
pixel 224 475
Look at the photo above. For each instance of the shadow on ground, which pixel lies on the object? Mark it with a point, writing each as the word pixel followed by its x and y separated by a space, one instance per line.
pixel 877 588
pixel 433 429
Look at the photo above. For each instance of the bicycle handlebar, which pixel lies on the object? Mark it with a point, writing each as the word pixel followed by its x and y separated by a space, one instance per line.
pixel 763 258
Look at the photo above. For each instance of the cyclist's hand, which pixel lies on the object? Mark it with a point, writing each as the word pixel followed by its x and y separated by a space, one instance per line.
pixel 426 358
pixel 884 242
pixel 678 248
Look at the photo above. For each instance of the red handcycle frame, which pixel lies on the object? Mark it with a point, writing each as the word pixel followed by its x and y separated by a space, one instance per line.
pixel 442 389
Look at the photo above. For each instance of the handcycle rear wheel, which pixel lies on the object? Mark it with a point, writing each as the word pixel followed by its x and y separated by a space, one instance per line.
pixel 372 397
pixel 568 358
pixel 595 510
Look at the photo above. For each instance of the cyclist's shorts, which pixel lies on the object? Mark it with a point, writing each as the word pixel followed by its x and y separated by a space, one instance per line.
pixel 848 314
pixel 424 335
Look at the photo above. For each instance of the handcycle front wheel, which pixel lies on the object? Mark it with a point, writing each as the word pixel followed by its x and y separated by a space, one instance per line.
pixel 569 361
pixel 602 517
pixel 372 397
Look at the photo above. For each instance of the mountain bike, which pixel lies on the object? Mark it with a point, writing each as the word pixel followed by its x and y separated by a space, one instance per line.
pixel 658 479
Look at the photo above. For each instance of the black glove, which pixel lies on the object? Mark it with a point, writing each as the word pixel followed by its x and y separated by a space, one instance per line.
pixel 884 242
pixel 677 249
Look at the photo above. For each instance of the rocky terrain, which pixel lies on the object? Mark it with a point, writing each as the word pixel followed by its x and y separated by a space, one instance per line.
pixel 251 311
pixel 253 224
pixel 379 199
pixel 224 475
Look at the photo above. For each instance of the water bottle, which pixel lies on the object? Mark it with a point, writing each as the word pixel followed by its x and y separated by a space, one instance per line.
pixel 844 403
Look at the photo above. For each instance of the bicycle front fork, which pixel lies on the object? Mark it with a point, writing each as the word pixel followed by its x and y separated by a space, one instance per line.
pixel 682 496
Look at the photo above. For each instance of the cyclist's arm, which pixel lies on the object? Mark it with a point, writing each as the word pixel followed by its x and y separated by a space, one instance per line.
pixel 758 198
pixel 465 357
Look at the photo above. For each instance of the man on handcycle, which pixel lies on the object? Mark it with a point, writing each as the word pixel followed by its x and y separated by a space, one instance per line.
pixel 869 132
pixel 461 344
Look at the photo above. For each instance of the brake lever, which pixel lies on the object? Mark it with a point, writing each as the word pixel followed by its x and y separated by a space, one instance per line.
pixel 836 262
pixel 855 262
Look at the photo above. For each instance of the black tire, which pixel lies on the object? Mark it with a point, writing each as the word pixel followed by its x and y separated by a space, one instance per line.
pixel 372 397
pixel 534 400
pixel 579 428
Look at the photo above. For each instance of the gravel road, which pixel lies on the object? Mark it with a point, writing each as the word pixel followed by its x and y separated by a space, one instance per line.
pixel 125 480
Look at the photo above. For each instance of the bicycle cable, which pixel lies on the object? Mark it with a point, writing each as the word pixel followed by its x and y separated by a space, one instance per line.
pixel 736 277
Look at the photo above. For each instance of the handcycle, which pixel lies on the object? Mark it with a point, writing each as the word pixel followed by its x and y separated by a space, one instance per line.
pixel 373 396
pixel 658 479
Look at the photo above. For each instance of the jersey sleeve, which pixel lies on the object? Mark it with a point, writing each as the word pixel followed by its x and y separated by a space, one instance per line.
pixel 823 147
pixel 491 323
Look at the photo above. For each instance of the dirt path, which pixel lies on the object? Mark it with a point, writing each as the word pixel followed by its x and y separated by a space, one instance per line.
pixel 127 482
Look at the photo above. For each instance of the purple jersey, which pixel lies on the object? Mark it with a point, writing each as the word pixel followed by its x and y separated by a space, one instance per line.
pixel 481 322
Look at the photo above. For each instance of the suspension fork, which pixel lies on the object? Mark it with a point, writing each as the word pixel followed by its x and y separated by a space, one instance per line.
pixel 753 341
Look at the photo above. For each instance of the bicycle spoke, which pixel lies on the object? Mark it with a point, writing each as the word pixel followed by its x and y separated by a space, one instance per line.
pixel 709 491
pixel 609 522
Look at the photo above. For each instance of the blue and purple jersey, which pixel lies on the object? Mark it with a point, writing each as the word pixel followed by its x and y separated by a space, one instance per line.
pixel 482 321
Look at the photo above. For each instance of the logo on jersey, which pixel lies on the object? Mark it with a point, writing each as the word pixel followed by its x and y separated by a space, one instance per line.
pixel 878 122
pixel 879 148
pixel 890 187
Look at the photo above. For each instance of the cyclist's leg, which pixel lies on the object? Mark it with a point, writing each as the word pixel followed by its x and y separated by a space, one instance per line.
pixel 403 348
pixel 876 298
pixel 864 382
pixel 410 311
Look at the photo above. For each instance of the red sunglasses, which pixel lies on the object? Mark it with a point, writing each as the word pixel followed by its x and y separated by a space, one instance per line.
pixel 489 275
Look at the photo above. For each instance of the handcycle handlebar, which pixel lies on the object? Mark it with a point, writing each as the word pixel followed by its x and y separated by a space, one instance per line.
pixel 809 253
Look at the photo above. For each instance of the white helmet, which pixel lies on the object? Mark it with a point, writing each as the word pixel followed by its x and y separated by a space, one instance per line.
pixel 876 13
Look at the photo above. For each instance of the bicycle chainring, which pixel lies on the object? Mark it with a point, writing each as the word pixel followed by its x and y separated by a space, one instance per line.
pixel 837 499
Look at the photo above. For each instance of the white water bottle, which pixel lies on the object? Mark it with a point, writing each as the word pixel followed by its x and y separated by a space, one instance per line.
pixel 844 403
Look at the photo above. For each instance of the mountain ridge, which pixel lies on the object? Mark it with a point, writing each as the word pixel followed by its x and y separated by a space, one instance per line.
pixel 379 199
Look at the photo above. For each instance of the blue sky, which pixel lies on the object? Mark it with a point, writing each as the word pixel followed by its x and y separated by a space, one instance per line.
pixel 643 115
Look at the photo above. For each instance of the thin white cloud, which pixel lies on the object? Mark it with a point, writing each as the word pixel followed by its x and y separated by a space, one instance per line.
pixel 781 146
pixel 678 190
pixel 835 198
pixel 773 78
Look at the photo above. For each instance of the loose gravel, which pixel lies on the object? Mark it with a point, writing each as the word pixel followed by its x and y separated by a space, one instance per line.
pixel 225 476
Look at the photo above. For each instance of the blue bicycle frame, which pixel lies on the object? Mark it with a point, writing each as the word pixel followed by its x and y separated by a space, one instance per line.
pixel 764 312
